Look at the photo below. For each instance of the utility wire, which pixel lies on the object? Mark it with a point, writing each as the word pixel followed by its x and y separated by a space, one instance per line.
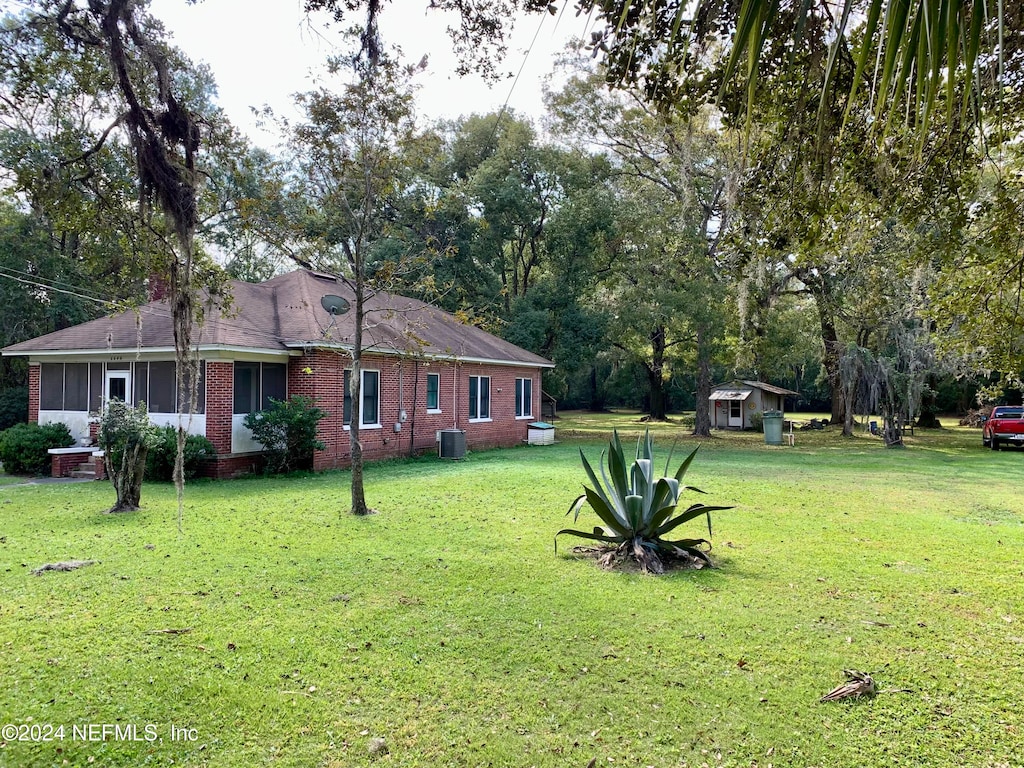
pixel 515 82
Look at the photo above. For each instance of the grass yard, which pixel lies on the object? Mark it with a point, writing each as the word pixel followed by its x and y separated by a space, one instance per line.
pixel 447 626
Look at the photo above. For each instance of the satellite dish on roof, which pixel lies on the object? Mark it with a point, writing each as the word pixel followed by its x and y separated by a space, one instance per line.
pixel 336 305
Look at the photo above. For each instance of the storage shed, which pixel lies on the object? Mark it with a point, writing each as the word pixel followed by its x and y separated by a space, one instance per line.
pixel 733 404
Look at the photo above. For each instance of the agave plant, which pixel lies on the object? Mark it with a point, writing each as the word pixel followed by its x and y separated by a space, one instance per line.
pixel 639 510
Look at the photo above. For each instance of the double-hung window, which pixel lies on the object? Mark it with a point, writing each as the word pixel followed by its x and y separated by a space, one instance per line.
pixel 370 397
pixel 524 398
pixel 479 398
pixel 433 393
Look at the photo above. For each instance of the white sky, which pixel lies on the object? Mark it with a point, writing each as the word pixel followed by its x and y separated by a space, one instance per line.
pixel 262 57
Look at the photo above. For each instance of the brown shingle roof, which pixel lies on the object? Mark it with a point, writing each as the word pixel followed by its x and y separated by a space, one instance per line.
pixel 285 313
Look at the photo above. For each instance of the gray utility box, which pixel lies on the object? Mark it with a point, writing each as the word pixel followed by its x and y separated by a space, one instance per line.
pixel 451 443
pixel 772 421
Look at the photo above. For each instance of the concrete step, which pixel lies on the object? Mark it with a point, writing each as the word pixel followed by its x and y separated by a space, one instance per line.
pixel 85 470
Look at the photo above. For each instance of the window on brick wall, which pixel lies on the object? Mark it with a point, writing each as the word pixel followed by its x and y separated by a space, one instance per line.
pixel 480 398
pixel 524 398
pixel 434 392
pixel 370 414
pixel 257 383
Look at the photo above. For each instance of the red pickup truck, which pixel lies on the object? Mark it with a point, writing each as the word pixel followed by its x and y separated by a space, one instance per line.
pixel 1004 425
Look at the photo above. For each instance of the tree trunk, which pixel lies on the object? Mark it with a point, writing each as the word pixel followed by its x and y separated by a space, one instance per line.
pixel 831 355
pixel 702 417
pixel 355 388
pixel 597 399
pixel 655 376
pixel 127 476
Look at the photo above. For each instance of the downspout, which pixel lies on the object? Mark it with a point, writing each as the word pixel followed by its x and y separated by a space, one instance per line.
pixel 415 400
pixel 455 396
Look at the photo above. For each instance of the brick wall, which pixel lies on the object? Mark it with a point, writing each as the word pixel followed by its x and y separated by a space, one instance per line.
pixel 220 383
pixel 403 384
pixel 33 392
pixel 319 374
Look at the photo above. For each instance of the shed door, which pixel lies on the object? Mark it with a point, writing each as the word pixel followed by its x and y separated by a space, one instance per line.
pixel 736 413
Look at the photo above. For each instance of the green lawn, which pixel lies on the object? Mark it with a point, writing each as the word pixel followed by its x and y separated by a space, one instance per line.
pixel 447 626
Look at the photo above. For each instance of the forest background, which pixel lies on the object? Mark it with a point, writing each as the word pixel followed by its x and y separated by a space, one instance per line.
pixel 861 246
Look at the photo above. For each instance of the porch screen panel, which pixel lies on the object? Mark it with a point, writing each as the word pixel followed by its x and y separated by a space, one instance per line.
pixel 76 386
pixel 51 386
pixel 185 395
pixel 247 387
pixel 141 385
pixel 161 387
pixel 95 386
pixel 275 383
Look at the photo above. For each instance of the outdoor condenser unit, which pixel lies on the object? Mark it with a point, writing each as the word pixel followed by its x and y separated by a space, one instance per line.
pixel 452 444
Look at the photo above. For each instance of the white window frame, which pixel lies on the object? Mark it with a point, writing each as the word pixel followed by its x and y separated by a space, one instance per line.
pixel 362 375
pixel 520 391
pixel 438 408
pixel 478 418
pixel 109 375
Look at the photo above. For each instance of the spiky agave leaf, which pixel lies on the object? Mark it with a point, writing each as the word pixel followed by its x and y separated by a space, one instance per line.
pixel 596 535
pixel 692 512
pixel 635 513
pixel 681 472
pixel 663 504
pixel 611 499
pixel 617 467
pixel 642 480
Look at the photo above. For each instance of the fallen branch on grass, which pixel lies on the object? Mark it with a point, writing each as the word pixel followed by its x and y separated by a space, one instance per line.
pixel 69 565
pixel 181 631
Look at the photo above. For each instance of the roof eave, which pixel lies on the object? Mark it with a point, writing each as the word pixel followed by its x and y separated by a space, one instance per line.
pixel 200 348
pixel 448 357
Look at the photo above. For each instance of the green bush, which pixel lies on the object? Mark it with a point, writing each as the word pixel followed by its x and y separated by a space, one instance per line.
pixel 13 407
pixel 757 421
pixel 161 456
pixel 23 447
pixel 287 432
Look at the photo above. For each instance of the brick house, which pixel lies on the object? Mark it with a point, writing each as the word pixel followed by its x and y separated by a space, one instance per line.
pixel 423 372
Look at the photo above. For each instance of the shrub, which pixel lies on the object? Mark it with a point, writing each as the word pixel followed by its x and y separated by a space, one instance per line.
pixel 287 432
pixel 757 421
pixel 637 509
pixel 13 407
pixel 161 456
pixel 126 436
pixel 23 447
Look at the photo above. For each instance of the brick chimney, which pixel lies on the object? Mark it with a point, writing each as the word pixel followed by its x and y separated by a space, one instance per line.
pixel 157 287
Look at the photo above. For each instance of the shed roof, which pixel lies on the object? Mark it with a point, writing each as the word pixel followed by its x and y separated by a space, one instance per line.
pixel 285 313
pixel 741 389
pixel 731 394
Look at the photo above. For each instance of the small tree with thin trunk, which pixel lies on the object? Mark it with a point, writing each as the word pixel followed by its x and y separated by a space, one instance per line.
pixel 126 436
pixel 335 209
